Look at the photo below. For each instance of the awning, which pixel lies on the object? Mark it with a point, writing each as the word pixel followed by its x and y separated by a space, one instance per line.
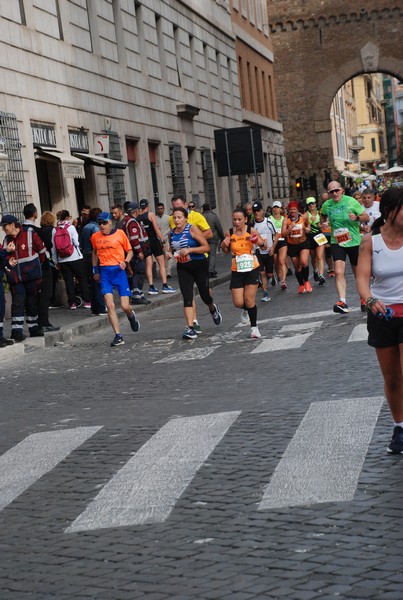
pixel 3 165
pixel 100 161
pixel 71 166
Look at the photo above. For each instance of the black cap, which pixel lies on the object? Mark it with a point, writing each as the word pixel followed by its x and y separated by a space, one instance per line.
pixel 143 203
pixel 8 219
pixel 257 206
pixel 132 206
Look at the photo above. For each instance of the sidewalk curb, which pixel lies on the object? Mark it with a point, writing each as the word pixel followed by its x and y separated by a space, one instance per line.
pixel 68 332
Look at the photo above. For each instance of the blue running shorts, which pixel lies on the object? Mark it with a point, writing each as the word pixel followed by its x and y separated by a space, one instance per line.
pixel 114 277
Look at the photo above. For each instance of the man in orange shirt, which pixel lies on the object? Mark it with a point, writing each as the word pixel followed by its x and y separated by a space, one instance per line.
pixel 111 254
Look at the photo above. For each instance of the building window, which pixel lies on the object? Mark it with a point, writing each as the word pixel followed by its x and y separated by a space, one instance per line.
pixel 178 55
pixel 250 87
pixel 161 45
pixel 59 20
pixel 131 162
pixel 373 144
pixel 176 162
pixel 208 177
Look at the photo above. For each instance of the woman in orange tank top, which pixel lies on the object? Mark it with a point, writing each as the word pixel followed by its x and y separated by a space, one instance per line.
pixel 240 240
pixel 295 229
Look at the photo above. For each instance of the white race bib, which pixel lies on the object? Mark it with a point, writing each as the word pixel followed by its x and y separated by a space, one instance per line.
pixel 320 239
pixel 244 263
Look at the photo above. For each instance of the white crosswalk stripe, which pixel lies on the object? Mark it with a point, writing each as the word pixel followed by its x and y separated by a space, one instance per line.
pixel 146 488
pixel 323 461
pixel 359 333
pixel 291 342
pixel 36 455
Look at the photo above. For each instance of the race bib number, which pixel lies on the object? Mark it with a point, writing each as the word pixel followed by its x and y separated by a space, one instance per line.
pixel 342 236
pixel 320 239
pixel 296 231
pixel 181 259
pixel 244 263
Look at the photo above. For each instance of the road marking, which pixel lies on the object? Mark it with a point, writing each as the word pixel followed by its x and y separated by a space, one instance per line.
pixel 298 317
pixel 359 333
pixel 291 342
pixel 36 455
pixel 146 488
pixel 324 459
pixel 193 354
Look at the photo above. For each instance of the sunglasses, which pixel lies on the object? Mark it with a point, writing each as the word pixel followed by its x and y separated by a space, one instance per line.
pixel 334 191
pixel 103 222
pixel 192 205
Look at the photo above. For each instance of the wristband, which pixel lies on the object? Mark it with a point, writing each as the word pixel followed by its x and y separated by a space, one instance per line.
pixel 95 270
pixel 370 301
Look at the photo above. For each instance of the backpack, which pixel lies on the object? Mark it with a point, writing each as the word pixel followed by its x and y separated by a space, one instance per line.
pixel 62 241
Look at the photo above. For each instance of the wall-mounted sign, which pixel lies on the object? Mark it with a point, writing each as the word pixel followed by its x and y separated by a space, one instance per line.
pixel 101 144
pixel 43 135
pixel 78 140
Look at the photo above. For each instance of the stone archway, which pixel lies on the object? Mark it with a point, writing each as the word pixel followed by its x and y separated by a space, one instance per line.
pixel 315 54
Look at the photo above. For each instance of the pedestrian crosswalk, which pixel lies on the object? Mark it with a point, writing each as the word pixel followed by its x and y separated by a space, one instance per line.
pixel 322 463
pixel 290 335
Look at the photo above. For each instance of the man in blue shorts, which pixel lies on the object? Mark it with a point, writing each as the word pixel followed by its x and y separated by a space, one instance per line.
pixel 111 254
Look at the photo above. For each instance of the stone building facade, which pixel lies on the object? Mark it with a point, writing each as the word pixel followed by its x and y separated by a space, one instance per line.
pixel 115 100
pixel 318 47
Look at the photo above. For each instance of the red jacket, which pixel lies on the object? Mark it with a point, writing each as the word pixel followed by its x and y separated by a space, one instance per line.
pixel 135 232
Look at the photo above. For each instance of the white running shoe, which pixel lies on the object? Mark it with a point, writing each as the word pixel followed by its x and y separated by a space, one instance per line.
pixel 255 333
pixel 244 317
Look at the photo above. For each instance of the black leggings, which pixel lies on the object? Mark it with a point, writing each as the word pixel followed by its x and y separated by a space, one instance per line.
pixel 190 273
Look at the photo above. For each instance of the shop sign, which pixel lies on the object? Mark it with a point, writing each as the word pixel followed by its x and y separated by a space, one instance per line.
pixel 78 140
pixel 43 135
pixel 73 170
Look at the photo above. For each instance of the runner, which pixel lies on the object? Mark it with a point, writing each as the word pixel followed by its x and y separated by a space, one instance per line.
pixel 189 247
pixel 344 215
pixel 317 240
pixel 111 254
pixel 240 240
pixel 295 229
pixel 381 256
pixel 280 251
pixel 267 232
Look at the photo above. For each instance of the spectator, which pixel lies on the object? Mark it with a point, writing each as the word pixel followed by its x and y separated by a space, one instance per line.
pixel 24 276
pixel 162 220
pixel 82 220
pixel 218 236
pixel 71 265
pixel 97 299
pixel 118 215
pixel 45 232
pixel 4 253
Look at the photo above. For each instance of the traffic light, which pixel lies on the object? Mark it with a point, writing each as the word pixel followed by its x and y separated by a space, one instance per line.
pixel 298 183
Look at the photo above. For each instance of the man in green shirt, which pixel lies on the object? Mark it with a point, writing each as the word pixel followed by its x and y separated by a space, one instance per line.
pixel 344 215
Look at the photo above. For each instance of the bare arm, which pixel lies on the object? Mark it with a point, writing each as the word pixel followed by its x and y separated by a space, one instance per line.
pixel 363 275
pixel 225 244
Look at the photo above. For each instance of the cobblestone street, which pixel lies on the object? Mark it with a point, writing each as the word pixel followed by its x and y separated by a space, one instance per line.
pixel 161 480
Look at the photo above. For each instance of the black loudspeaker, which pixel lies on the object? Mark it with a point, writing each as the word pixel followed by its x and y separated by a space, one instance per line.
pixel 238 151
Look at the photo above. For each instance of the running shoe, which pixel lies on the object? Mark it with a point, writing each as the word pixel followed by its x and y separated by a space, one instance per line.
pixel 273 281
pixel 396 443
pixel 244 317
pixel 301 289
pixel 255 333
pixel 316 276
pixel 189 333
pixel 266 297
pixel 283 285
pixel 5 342
pixel 321 280
pixel 152 290
pixel 167 289
pixel 134 324
pixel 87 305
pixel 73 306
pixel 118 340
pixel 341 307
pixel 331 273
pixel 363 305
pixel 217 316
pixel 308 287
pixel 197 327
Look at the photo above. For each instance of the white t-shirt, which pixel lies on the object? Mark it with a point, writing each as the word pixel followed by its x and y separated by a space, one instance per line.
pixel 267 231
